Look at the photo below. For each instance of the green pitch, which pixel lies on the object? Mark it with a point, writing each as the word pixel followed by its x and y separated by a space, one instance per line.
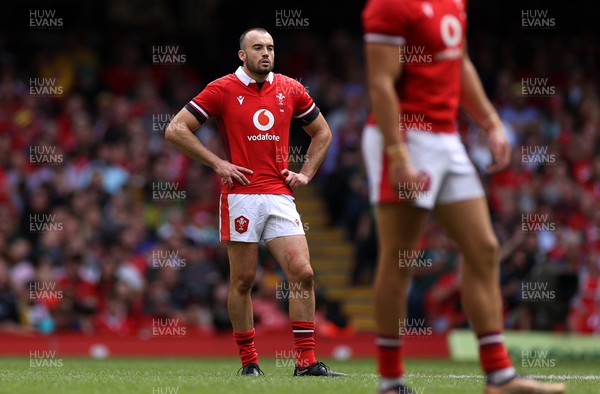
pixel 215 376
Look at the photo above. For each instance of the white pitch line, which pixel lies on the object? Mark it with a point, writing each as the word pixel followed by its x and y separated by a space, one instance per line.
pixel 474 376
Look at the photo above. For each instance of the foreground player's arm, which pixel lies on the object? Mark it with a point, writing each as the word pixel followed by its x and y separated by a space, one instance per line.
pixel 474 100
pixel 383 70
pixel 320 135
pixel 179 133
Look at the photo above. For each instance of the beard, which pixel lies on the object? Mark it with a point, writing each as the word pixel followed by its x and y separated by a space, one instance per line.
pixel 260 69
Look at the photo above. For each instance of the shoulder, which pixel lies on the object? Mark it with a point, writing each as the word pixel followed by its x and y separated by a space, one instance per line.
pixel 382 16
pixel 385 9
pixel 222 82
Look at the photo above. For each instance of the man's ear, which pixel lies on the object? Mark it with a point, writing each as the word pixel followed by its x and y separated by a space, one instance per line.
pixel 242 55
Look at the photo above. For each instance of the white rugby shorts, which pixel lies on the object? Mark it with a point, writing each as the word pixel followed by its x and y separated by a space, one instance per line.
pixel 440 157
pixel 258 217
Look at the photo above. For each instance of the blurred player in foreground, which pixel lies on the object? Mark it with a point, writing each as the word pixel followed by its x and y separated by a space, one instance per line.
pixel 419 74
pixel 253 108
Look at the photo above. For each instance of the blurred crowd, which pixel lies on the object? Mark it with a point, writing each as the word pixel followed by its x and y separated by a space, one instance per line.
pixel 105 227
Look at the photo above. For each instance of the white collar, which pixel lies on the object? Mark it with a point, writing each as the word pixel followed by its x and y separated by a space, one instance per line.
pixel 246 79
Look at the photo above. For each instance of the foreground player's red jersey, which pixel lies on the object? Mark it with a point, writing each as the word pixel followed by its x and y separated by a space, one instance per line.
pixel 254 125
pixel 431 34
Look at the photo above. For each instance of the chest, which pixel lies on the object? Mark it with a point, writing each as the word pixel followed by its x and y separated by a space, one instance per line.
pixel 439 26
pixel 250 111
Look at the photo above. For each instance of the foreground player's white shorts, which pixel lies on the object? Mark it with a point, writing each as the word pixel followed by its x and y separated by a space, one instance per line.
pixel 440 156
pixel 258 217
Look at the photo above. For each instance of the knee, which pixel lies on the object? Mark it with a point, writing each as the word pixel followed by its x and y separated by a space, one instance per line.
pixel 484 258
pixel 304 275
pixel 242 283
pixel 490 249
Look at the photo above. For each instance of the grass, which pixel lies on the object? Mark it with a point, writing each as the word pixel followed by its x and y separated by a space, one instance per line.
pixel 183 376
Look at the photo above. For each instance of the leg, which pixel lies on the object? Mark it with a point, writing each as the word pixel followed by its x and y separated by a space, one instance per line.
pixel 399 227
pixel 468 223
pixel 292 254
pixel 243 259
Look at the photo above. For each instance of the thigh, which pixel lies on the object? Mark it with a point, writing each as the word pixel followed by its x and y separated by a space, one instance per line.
pixel 243 260
pixel 399 228
pixel 469 224
pixel 291 252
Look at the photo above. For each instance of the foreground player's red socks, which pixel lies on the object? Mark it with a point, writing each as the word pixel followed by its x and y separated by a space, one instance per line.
pixel 389 357
pixel 245 342
pixel 494 357
pixel 304 340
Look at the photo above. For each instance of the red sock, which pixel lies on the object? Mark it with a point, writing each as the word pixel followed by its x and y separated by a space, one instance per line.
pixel 304 340
pixel 245 342
pixel 492 352
pixel 389 356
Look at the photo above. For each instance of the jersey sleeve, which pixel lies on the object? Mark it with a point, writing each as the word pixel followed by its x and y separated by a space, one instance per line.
pixel 207 103
pixel 305 109
pixel 386 21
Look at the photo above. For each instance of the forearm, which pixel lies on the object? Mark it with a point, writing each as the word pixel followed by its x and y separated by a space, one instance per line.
pixel 387 114
pixel 182 137
pixel 383 70
pixel 315 154
pixel 474 100
pixel 384 103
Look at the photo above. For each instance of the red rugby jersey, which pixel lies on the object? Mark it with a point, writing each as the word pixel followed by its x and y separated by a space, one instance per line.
pixel 254 125
pixel 432 35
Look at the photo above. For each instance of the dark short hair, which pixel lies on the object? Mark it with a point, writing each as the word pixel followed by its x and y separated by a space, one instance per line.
pixel 243 36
